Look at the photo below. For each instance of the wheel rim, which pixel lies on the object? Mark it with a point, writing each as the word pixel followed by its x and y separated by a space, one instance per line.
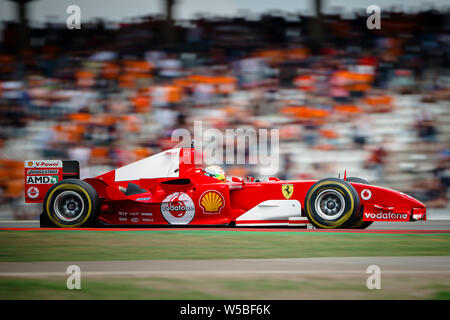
pixel 330 204
pixel 68 206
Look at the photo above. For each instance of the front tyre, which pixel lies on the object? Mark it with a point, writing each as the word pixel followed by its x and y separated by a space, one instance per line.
pixel 359 223
pixel 331 203
pixel 71 203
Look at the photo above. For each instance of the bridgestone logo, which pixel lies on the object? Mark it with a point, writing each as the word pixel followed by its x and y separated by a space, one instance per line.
pixel 42 179
pixel 37 171
pixel 386 216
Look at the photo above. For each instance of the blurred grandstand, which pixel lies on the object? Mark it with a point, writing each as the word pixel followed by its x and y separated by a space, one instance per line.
pixel 373 102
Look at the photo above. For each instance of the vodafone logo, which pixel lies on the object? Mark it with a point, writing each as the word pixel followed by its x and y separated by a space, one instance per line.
pixel 388 216
pixel 33 192
pixel 366 194
pixel 178 208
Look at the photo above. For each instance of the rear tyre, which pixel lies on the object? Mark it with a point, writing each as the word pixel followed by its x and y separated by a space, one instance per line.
pixel 359 223
pixel 331 203
pixel 44 222
pixel 70 203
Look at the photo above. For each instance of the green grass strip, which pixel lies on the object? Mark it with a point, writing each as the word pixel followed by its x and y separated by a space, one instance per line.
pixel 60 245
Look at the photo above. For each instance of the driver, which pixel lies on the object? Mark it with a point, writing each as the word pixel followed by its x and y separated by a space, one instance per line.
pixel 215 172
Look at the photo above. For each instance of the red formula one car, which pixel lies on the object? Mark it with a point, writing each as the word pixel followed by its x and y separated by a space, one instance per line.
pixel 168 189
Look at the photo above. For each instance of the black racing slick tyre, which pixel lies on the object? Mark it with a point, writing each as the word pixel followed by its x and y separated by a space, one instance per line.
pixel 71 203
pixel 331 203
pixel 359 223
pixel 44 222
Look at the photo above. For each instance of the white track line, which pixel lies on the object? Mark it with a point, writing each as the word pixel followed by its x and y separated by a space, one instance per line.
pixel 216 272
pixel 18 221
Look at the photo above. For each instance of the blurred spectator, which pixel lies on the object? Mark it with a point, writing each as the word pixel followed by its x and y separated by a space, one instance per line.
pixel 426 127
pixel 431 192
pixel 377 161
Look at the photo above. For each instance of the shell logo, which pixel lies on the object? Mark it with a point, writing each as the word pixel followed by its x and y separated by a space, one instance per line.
pixel 30 163
pixel 212 202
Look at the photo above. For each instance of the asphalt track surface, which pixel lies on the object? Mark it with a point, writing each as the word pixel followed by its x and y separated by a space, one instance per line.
pixel 353 266
pixel 429 226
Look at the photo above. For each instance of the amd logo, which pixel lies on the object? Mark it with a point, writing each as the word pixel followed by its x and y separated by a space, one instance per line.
pixel 42 179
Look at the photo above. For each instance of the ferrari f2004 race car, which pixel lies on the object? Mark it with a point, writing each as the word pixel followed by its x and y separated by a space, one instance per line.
pixel 168 189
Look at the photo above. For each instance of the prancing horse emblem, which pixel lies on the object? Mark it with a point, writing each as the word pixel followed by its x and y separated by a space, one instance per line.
pixel 288 190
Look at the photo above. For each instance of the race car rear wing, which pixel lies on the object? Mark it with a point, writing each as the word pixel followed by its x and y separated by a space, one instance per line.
pixel 40 175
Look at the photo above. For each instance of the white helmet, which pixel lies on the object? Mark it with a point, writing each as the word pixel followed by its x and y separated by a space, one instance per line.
pixel 215 172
